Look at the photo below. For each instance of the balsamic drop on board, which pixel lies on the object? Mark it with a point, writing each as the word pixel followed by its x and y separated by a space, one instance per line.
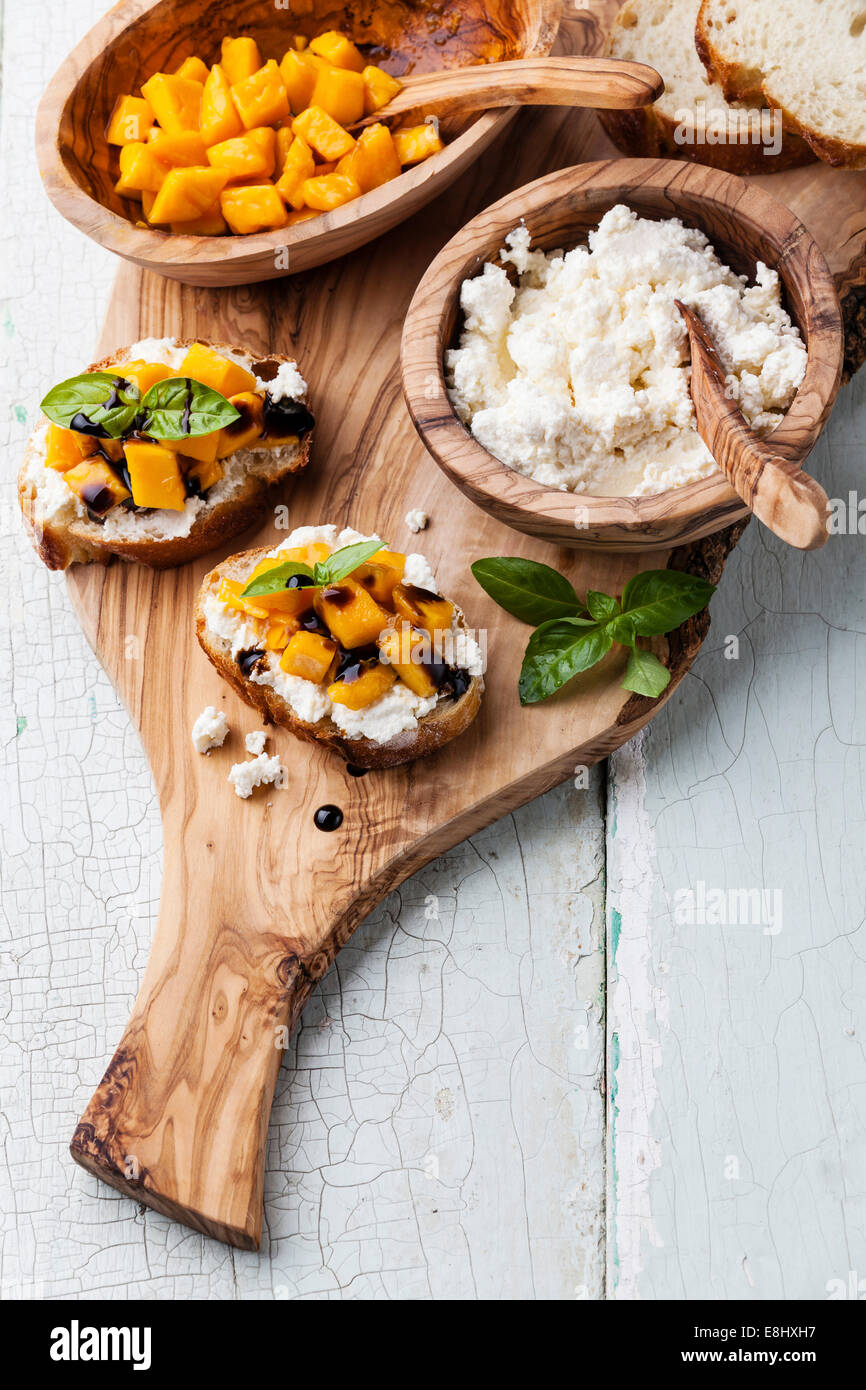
pixel 328 818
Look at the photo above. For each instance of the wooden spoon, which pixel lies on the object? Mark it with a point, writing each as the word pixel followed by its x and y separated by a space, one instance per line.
pixel 790 503
pixel 600 82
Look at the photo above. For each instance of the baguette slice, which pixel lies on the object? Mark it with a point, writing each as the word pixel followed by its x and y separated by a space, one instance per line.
pixel 662 33
pixel 445 722
pixel 806 58
pixel 67 536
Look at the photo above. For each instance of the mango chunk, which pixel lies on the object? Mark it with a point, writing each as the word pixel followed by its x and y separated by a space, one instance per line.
pixel 176 101
pixel 247 429
pixel 370 685
pixel 209 224
pixel 212 369
pixel 299 72
pixel 253 208
pixel 188 193
pixel 422 609
pixel 230 594
pixel 374 159
pixel 405 649
pixel 341 93
pixel 219 118
pixel 335 48
pixel 201 447
pixel 309 655
pixel 182 150
pixel 278 634
pixel 155 476
pixel 284 144
pixel 248 156
pixel 261 99
pixel 330 191
pixel 322 133
pixel 300 42
pixel 351 614
pixel 378 580
pixel 146 374
pixel 291 600
pixel 311 554
pixel 379 88
pixel 130 121
pixel 193 68
pixel 240 58
pixel 302 215
pixel 140 170
pixel 66 448
pixel 299 166
pixel 96 484
pixel 206 473
pixel 417 143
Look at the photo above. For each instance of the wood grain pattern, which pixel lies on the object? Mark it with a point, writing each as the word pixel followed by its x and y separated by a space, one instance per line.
pixel 742 222
pixel 140 37
pixel 775 488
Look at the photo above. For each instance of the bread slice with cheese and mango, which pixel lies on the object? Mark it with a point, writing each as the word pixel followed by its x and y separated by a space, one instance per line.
pixel 100 481
pixel 692 119
pixel 806 58
pixel 345 643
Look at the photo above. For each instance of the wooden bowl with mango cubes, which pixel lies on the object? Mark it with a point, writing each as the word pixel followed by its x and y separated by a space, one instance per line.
pixel 210 143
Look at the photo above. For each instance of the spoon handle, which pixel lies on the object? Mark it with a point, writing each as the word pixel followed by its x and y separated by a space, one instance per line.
pixel 599 82
pixel 790 503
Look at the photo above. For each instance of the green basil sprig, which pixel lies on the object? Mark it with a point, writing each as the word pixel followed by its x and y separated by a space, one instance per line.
pixel 337 566
pixel 177 408
pixel 570 636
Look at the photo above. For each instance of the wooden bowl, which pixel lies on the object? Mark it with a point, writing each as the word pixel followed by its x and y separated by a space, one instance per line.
pixel 744 224
pixel 140 37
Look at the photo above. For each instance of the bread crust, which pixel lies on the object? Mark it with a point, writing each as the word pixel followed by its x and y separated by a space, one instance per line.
pixel 79 542
pixel 741 83
pixel 434 730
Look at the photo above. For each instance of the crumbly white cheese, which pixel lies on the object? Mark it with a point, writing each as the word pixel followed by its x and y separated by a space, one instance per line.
pixel 288 384
pixel 395 712
pixel 579 376
pixel 255 742
pixel 256 772
pixel 209 730
pixel 58 504
pixel 416 520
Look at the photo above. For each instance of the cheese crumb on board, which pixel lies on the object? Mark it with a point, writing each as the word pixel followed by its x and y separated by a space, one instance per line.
pixel 417 520
pixel 255 742
pixel 257 772
pixel 578 375
pixel 209 730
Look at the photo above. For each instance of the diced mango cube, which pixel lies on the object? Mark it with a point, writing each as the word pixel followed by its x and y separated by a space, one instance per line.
pixel 405 648
pixel 188 193
pixel 313 554
pixel 300 42
pixel 96 484
pixel 337 49
pixel 194 69
pixel 147 201
pixel 284 144
pixel 139 170
pixel 301 215
pixel 182 150
pixel 417 143
pixel 299 72
pixel 322 133
pixel 219 118
pixel 230 594
pixel 201 447
pixel 206 473
pixel 299 166
pixel 240 58
pixel 209 224
pixel 351 614
pixel 329 191
pixel 289 602
pixel 247 429
pixel 130 121
pixel 146 374
pixel 370 685
pixel 309 655
pixel 248 156
pixel 212 369
pixel 66 448
pixel 379 88
pixel 341 93
pixel 176 101
pixel 278 634
pixel 261 99
pixel 155 476
pixel 422 609
pixel 253 208
pixel 374 159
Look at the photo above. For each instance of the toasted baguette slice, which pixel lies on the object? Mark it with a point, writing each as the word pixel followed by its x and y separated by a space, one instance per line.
pixel 63 534
pixel 692 119
pixel 806 58
pixel 449 718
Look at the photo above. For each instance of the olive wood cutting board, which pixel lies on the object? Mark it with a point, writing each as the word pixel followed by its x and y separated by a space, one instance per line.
pixel 256 901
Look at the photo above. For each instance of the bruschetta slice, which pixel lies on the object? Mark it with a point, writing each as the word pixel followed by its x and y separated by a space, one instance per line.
pixel 345 643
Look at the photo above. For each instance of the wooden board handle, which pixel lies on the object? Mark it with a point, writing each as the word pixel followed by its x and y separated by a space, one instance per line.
pixel 788 501
pixel 179 1121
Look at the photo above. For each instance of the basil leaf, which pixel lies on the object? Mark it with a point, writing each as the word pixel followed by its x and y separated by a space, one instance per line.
pixel 645 674
pixel 342 562
pixel 180 408
pixel 100 397
pixel 277 578
pixel 601 606
pixel 527 590
pixel 659 600
pixel 621 629
pixel 556 651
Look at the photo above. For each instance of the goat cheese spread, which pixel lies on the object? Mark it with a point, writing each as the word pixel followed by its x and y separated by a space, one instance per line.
pixel 209 730
pixel 397 711
pixel 255 772
pixel 255 743
pixel 578 375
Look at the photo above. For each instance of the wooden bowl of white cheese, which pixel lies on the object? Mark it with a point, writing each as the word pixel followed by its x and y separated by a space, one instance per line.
pixel 546 367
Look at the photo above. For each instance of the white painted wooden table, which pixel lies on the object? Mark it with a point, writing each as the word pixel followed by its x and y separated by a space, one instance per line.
pixel 458 1116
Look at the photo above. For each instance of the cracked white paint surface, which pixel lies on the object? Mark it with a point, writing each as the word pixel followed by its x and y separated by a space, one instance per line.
pixel 438 1126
